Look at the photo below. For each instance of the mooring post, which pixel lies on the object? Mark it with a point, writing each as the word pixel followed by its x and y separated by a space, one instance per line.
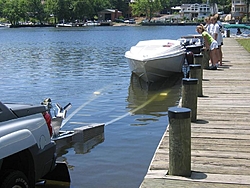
pixel 198 59
pixel 179 142
pixel 206 58
pixel 195 72
pixel 189 96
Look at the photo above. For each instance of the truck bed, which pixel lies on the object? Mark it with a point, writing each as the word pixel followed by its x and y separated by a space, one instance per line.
pixel 10 111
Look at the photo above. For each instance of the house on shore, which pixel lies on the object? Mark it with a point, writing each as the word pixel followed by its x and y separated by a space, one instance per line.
pixel 109 14
pixel 191 11
pixel 239 9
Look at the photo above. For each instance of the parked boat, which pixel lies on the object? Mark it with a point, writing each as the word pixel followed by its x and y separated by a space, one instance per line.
pixel 92 23
pixel 64 25
pixel 244 30
pixel 154 60
pixel 241 26
pixel 4 24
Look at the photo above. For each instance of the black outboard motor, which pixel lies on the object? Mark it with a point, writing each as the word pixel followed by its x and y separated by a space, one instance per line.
pixel 190 57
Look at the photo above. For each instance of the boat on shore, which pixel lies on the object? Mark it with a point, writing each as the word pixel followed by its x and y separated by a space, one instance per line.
pixel 64 25
pixel 92 23
pixel 2 25
pixel 154 60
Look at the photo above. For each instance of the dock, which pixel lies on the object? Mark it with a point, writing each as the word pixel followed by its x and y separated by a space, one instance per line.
pixel 220 138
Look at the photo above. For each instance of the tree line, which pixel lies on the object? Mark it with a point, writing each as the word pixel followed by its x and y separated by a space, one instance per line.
pixel 53 11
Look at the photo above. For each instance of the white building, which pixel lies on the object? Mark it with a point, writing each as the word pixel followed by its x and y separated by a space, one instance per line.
pixel 191 11
pixel 239 9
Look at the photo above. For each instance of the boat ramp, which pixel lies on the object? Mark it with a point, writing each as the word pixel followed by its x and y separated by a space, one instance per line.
pixel 220 137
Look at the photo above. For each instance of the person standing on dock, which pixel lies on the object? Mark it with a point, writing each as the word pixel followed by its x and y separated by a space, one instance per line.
pixel 210 44
pixel 208 25
pixel 217 34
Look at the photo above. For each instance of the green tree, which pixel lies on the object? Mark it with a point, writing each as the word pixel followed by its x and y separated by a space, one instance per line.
pixel 121 5
pixel 36 10
pixel 13 10
pixel 51 9
pixel 64 7
pixel 88 9
pixel 146 7
pixel 99 5
pixel 83 9
pixel 59 9
pixel 1 7
pixel 23 10
pixel 70 10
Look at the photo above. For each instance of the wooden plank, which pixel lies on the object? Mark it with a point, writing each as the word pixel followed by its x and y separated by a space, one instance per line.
pixel 208 177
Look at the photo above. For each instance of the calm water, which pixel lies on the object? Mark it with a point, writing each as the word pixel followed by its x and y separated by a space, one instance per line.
pixel 87 67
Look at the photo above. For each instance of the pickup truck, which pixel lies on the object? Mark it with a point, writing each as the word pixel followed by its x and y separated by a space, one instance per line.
pixel 27 151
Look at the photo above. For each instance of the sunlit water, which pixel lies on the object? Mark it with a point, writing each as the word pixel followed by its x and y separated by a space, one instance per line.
pixel 86 66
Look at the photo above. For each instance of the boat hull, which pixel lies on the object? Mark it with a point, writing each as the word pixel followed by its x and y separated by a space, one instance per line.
pixel 157 69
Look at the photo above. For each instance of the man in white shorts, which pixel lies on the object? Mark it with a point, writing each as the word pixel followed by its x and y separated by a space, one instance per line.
pixel 217 35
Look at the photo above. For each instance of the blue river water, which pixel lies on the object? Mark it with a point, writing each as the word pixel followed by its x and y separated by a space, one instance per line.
pixel 86 67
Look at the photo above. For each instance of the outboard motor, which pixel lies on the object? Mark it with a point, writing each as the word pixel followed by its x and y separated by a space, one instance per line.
pixel 190 57
pixel 60 115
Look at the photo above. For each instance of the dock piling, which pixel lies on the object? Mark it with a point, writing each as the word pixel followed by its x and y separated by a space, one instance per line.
pixel 179 142
pixel 189 96
pixel 198 59
pixel 195 72
pixel 205 60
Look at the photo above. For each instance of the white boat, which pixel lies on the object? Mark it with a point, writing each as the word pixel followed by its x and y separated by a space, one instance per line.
pixel 92 23
pixel 64 25
pixel 153 60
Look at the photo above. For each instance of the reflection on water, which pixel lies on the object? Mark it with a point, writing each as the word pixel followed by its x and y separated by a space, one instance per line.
pixel 82 140
pixel 153 99
pixel 79 147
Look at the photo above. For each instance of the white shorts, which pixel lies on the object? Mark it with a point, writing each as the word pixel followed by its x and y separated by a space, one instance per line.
pixel 213 45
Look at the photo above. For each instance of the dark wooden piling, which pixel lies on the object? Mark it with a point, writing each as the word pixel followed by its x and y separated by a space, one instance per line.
pixel 198 59
pixel 195 72
pixel 179 141
pixel 189 96
pixel 205 59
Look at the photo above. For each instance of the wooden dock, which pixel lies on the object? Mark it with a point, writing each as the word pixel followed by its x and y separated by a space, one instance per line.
pixel 220 139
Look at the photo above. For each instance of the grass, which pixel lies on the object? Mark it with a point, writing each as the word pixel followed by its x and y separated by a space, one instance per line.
pixel 245 43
